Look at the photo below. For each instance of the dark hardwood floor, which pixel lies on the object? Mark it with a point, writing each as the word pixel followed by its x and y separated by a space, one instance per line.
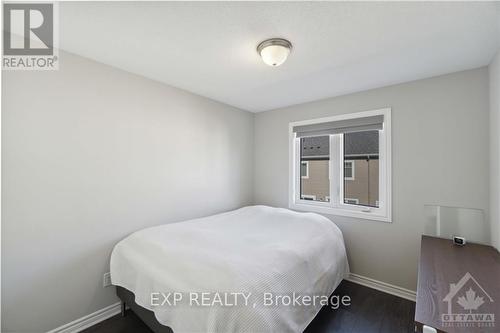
pixel 371 311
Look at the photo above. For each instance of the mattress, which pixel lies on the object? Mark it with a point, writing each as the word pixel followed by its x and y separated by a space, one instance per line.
pixel 247 264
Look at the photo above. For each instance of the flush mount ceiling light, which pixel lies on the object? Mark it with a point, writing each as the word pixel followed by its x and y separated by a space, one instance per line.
pixel 274 51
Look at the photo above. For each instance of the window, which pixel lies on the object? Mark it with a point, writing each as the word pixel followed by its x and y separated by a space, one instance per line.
pixel 315 153
pixel 360 152
pixel 304 169
pixel 341 165
pixel 348 170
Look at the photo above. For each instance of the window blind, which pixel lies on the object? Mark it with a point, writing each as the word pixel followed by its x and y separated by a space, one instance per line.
pixel 340 126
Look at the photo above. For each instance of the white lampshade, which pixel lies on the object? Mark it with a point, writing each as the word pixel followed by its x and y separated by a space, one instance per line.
pixel 274 52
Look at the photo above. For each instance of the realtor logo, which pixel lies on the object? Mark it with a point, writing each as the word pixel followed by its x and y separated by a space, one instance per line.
pixel 469 305
pixel 29 36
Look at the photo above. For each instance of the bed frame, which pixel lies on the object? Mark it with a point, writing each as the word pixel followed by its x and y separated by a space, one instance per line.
pixel 147 316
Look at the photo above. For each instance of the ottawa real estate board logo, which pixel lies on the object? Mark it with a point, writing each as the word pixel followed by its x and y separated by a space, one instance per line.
pixel 468 305
pixel 30 36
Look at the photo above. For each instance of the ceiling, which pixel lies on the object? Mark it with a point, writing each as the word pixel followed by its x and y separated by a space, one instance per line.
pixel 209 48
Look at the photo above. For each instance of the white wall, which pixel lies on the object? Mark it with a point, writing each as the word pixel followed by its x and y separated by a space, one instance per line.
pixel 494 74
pixel 440 156
pixel 90 154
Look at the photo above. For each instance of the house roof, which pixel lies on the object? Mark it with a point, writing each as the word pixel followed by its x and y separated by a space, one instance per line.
pixel 358 143
pixel 315 146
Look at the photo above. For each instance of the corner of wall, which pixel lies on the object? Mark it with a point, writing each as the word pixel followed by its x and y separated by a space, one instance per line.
pixel 254 159
pixel 494 91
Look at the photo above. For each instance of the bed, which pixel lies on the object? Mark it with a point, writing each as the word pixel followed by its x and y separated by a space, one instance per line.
pixel 269 254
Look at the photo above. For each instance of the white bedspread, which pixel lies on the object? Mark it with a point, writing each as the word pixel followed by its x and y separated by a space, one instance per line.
pixel 255 250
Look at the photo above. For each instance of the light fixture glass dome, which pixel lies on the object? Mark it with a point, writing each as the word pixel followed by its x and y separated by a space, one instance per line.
pixel 275 51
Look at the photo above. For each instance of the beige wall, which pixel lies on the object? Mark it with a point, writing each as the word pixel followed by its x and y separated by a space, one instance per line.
pixel 90 154
pixel 429 119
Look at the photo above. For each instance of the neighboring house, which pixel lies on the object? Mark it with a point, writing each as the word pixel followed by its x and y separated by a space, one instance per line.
pixel 315 157
pixel 360 168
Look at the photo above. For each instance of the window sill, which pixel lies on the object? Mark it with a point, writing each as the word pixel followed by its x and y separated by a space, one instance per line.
pixel 315 208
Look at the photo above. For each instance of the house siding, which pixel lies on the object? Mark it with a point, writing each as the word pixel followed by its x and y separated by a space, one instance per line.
pixel 364 186
pixel 317 184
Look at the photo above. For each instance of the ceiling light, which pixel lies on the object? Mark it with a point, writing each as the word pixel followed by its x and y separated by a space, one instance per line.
pixel 274 51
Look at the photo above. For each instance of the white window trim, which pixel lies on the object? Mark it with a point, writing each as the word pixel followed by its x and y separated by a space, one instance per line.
pixel 336 205
pixel 307 170
pixel 352 168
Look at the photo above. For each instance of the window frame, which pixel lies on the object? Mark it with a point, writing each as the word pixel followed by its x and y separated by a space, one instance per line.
pixel 336 205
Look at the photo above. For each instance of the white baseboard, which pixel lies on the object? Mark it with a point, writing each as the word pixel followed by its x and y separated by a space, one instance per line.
pixel 114 309
pixel 89 320
pixel 382 286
